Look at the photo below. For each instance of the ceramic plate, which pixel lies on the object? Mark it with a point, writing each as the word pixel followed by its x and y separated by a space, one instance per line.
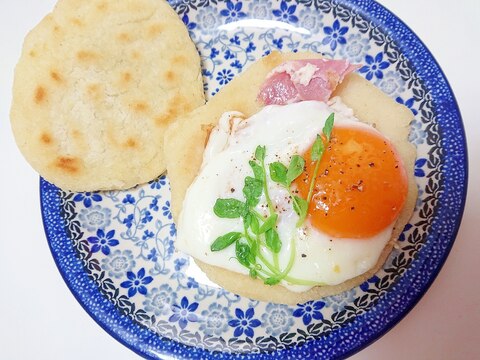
pixel 116 251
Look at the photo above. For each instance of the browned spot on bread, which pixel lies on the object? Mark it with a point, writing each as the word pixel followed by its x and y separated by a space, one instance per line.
pixel 126 76
pixel 94 91
pixel 170 76
pixel 102 6
pixel 32 53
pixel 177 105
pixel 76 134
pixel 40 94
pixel 68 164
pixel 136 55
pixel 55 76
pixel 56 28
pixel 76 22
pixel 131 143
pixel 139 106
pixel 207 128
pixel 86 55
pixel 125 37
pixel 180 60
pixel 46 138
pixel 154 29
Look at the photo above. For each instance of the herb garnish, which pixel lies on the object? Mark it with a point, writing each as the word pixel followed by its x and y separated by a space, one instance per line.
pixel 259 231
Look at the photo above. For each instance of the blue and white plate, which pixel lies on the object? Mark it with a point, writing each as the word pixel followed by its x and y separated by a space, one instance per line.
pixel 116 251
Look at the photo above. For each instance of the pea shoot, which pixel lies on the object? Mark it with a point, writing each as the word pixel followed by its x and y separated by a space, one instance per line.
pixel 260 231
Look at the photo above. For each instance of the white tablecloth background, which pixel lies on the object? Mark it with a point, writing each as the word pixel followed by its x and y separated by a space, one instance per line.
pixel 39 317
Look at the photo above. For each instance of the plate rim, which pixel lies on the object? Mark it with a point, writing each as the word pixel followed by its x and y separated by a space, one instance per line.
pixel 364 7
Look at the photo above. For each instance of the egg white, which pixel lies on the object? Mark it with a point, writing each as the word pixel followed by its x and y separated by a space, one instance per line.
pixel 284 130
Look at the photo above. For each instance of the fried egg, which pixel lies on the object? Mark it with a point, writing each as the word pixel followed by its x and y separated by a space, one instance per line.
pixel 359 192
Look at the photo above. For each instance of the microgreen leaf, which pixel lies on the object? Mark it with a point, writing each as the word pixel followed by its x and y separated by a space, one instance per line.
pixel 301 208
pixel 253 273
pixel 317 149
pixel 260 153
pixel 273 240
pixel 225 241
pixel 269 223
pixel 278 173
pixel 252 190
pixel 257 170
pixel 254 225
pixel 247 219
pixel 243 253
pixel 328 127
pixel 295 168
pixel 271 281
pixel 229 208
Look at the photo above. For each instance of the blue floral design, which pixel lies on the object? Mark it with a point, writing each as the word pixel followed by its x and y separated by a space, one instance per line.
pixel 190 25
pixel 391 83
pixel 374 66
pixel 355 47
pixel 95 218
pixel 244 323
pixel 87 198
pixel 160 300
pixel 128 221
pixel 405 229
pixel 311 21
pixel 173 229
pixel 233 11
pixel 419 172
pixel 260 9
pixel 310 310
pixel 224 76
pixel 214 321
pixel 208 19
pixel 118 263
pixel 334 35
pixel 152 255
pixel 103 241
pixel 154 204
pixel 180 263
pixel 251 47
pixel 136 282
pixel 147 217
pixel 158 183
pixel 192 283
pixel 285 13
pixel 409 104
pixel 129 199
pixel 365 285
pixel 166 210
pixel 184 313
pixel 278 43
pixel 338 302
pixel 277 319
pixel 417 135
pixel 235 40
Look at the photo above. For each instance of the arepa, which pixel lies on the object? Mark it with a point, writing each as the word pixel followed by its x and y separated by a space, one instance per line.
pixel 96 85
pixel 187 137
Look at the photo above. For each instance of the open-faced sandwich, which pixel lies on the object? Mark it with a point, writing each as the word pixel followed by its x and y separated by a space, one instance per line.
pixel 294 181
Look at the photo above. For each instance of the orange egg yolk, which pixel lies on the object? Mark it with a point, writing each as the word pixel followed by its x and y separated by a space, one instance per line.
pixel 361 185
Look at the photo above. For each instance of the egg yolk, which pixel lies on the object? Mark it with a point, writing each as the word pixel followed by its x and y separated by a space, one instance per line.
pixel 361 185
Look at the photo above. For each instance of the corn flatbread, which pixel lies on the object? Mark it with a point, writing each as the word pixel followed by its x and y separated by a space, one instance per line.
pixel 96 86
pixel 186 139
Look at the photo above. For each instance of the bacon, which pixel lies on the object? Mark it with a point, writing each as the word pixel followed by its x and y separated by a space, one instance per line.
pixel 299 80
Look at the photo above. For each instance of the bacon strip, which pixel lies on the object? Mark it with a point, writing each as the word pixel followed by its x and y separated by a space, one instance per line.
pixel 299 80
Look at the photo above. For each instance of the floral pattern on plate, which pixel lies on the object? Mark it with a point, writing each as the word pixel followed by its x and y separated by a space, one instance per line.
pixel 155 300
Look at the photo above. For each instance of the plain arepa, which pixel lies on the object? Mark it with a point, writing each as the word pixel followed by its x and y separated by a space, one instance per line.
pixel 96 86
